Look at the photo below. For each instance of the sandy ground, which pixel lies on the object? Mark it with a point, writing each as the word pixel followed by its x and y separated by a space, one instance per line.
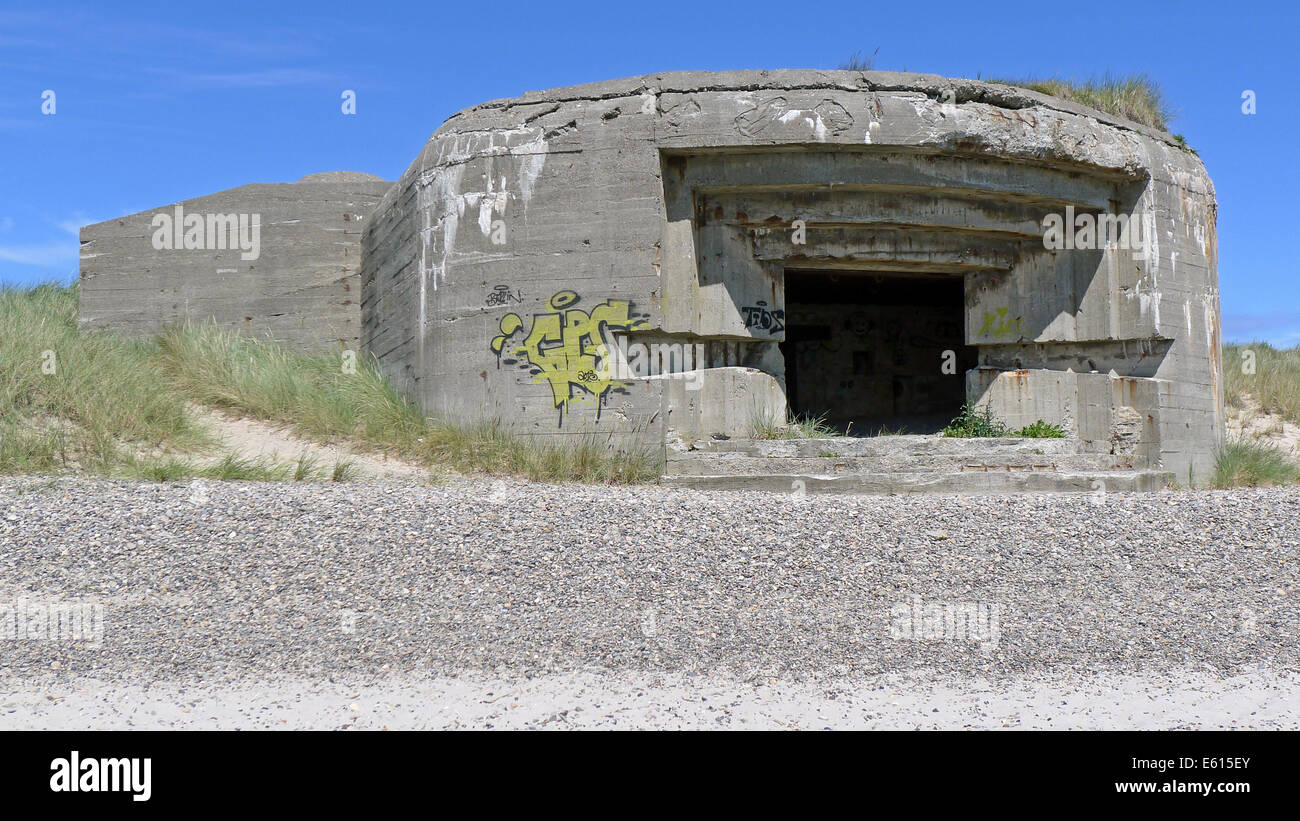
pixel 609 701
pixel 254 439
pixel 1251 422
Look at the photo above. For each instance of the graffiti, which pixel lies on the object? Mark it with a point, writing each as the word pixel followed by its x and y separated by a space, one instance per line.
pixel 761 116
pixel 502 295
pixel 566 348
pixel 758 316
pixel 827 116
pixel 1000 325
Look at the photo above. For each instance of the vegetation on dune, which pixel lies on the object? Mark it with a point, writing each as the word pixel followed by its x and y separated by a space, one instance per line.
pixel 1258 376
pixel 92 402
pixel 1269 375
pixel 95 403
pixel 320 400
pixel 1245 463
pixel 79 400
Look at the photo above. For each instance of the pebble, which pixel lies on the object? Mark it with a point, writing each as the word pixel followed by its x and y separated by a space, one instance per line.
pixel 494 577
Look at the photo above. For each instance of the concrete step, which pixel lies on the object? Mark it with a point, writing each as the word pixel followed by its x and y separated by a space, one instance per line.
pixel 835 464
pixel 904 464
pixel 882 446
pixel 993 482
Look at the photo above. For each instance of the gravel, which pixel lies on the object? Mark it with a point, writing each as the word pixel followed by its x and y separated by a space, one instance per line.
pixel 430 591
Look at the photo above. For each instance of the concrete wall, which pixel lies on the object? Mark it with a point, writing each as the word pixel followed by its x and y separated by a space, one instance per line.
pixel 299 282
pixel 529 230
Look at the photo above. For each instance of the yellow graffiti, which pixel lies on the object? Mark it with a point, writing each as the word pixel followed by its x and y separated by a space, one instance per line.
pixel 999 325
pixel 566 348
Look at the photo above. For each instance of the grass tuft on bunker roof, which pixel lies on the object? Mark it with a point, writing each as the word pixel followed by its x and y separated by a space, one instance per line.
pixel 1134 97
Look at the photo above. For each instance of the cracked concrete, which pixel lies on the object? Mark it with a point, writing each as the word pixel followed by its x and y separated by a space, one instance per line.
pixel 674 198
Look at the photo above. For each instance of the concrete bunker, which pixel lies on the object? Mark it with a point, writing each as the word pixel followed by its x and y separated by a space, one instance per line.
pixel 661 260
pixel 298 282
pixel 753 216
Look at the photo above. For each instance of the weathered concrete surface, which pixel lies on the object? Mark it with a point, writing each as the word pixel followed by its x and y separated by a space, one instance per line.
pixel 533 233
pixel 300 284
pixel 907 464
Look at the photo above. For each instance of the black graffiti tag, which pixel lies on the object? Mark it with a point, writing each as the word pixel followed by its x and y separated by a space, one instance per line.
pixel 758 316
pixel 502 295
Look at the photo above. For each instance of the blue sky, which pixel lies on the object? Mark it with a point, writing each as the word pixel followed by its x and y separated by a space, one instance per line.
pixel 156 102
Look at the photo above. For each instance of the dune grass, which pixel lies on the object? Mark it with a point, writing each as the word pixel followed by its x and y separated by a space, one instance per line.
pixel 315 394
pixel 324 401
pixel 104 401
pixel 69 399
pixel 1274 383
pixel 1244 463
pixel 232 467
pixel 1134 97
pixel 1271 377
pixel 860 62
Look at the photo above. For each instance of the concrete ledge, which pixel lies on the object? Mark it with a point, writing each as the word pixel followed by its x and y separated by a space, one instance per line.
pixel 964 483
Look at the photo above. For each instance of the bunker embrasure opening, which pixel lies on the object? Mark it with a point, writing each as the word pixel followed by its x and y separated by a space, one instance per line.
pixel 867 351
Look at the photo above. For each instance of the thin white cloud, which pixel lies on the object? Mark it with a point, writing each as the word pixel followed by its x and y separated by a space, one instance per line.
pixel 269 78
pixel 74 224
pixel 59 254
pixel 108 33
pixel 62 252
pixel 93 43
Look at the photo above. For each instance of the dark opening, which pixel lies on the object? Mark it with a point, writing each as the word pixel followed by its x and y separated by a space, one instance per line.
pixel 866 351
